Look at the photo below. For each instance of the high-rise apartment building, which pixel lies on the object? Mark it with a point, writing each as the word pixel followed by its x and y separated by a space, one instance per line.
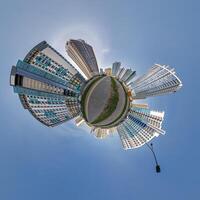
pixel 127 76
pixel 83 55
pixel 141 126
pixel 48 85
pixel 130 77
pixel 160 79
pixel 115 68
pixel 120 73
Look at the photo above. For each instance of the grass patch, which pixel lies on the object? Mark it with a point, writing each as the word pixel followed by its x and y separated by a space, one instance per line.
pixel 111 104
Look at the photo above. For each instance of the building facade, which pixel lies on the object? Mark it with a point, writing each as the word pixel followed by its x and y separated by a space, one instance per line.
pixel 79 120
pixel 127 76
pixel 120 73
pixel 130 77
pixel 115 68
pixel 48 85
pixel 100 133
pixel 160 79
pixel 108 71
pixel 83 55
pixel 140 127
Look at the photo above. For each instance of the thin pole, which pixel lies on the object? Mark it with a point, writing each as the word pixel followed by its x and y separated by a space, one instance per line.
pixel 154 155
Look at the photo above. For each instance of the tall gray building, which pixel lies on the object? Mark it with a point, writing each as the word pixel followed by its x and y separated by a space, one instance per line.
pixel 120 73
pixel 115 68
pixel 83 55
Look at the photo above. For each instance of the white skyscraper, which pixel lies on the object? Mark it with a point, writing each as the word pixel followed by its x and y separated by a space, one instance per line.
pixel 160 79
pixel 83 55
pixel 47 85
pixel 115 68
pixel 141 126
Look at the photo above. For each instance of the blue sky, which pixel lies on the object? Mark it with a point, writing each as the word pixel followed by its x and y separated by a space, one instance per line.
pixel 68 163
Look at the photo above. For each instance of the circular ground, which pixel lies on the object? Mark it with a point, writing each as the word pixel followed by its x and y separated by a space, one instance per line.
pixel 104 102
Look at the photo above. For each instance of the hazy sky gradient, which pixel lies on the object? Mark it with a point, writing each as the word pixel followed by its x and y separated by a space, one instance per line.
pixel 68 162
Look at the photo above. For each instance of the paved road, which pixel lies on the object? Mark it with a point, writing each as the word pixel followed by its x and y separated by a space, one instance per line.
pixel 97 98
pixel 120 106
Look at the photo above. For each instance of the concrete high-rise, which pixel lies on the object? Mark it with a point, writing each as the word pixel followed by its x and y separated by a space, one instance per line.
pixel 120 73
pixel 115 68
pixel 127 76
pixel 48 85
pixel 160 79
pixel 141 126
pixel 83 55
